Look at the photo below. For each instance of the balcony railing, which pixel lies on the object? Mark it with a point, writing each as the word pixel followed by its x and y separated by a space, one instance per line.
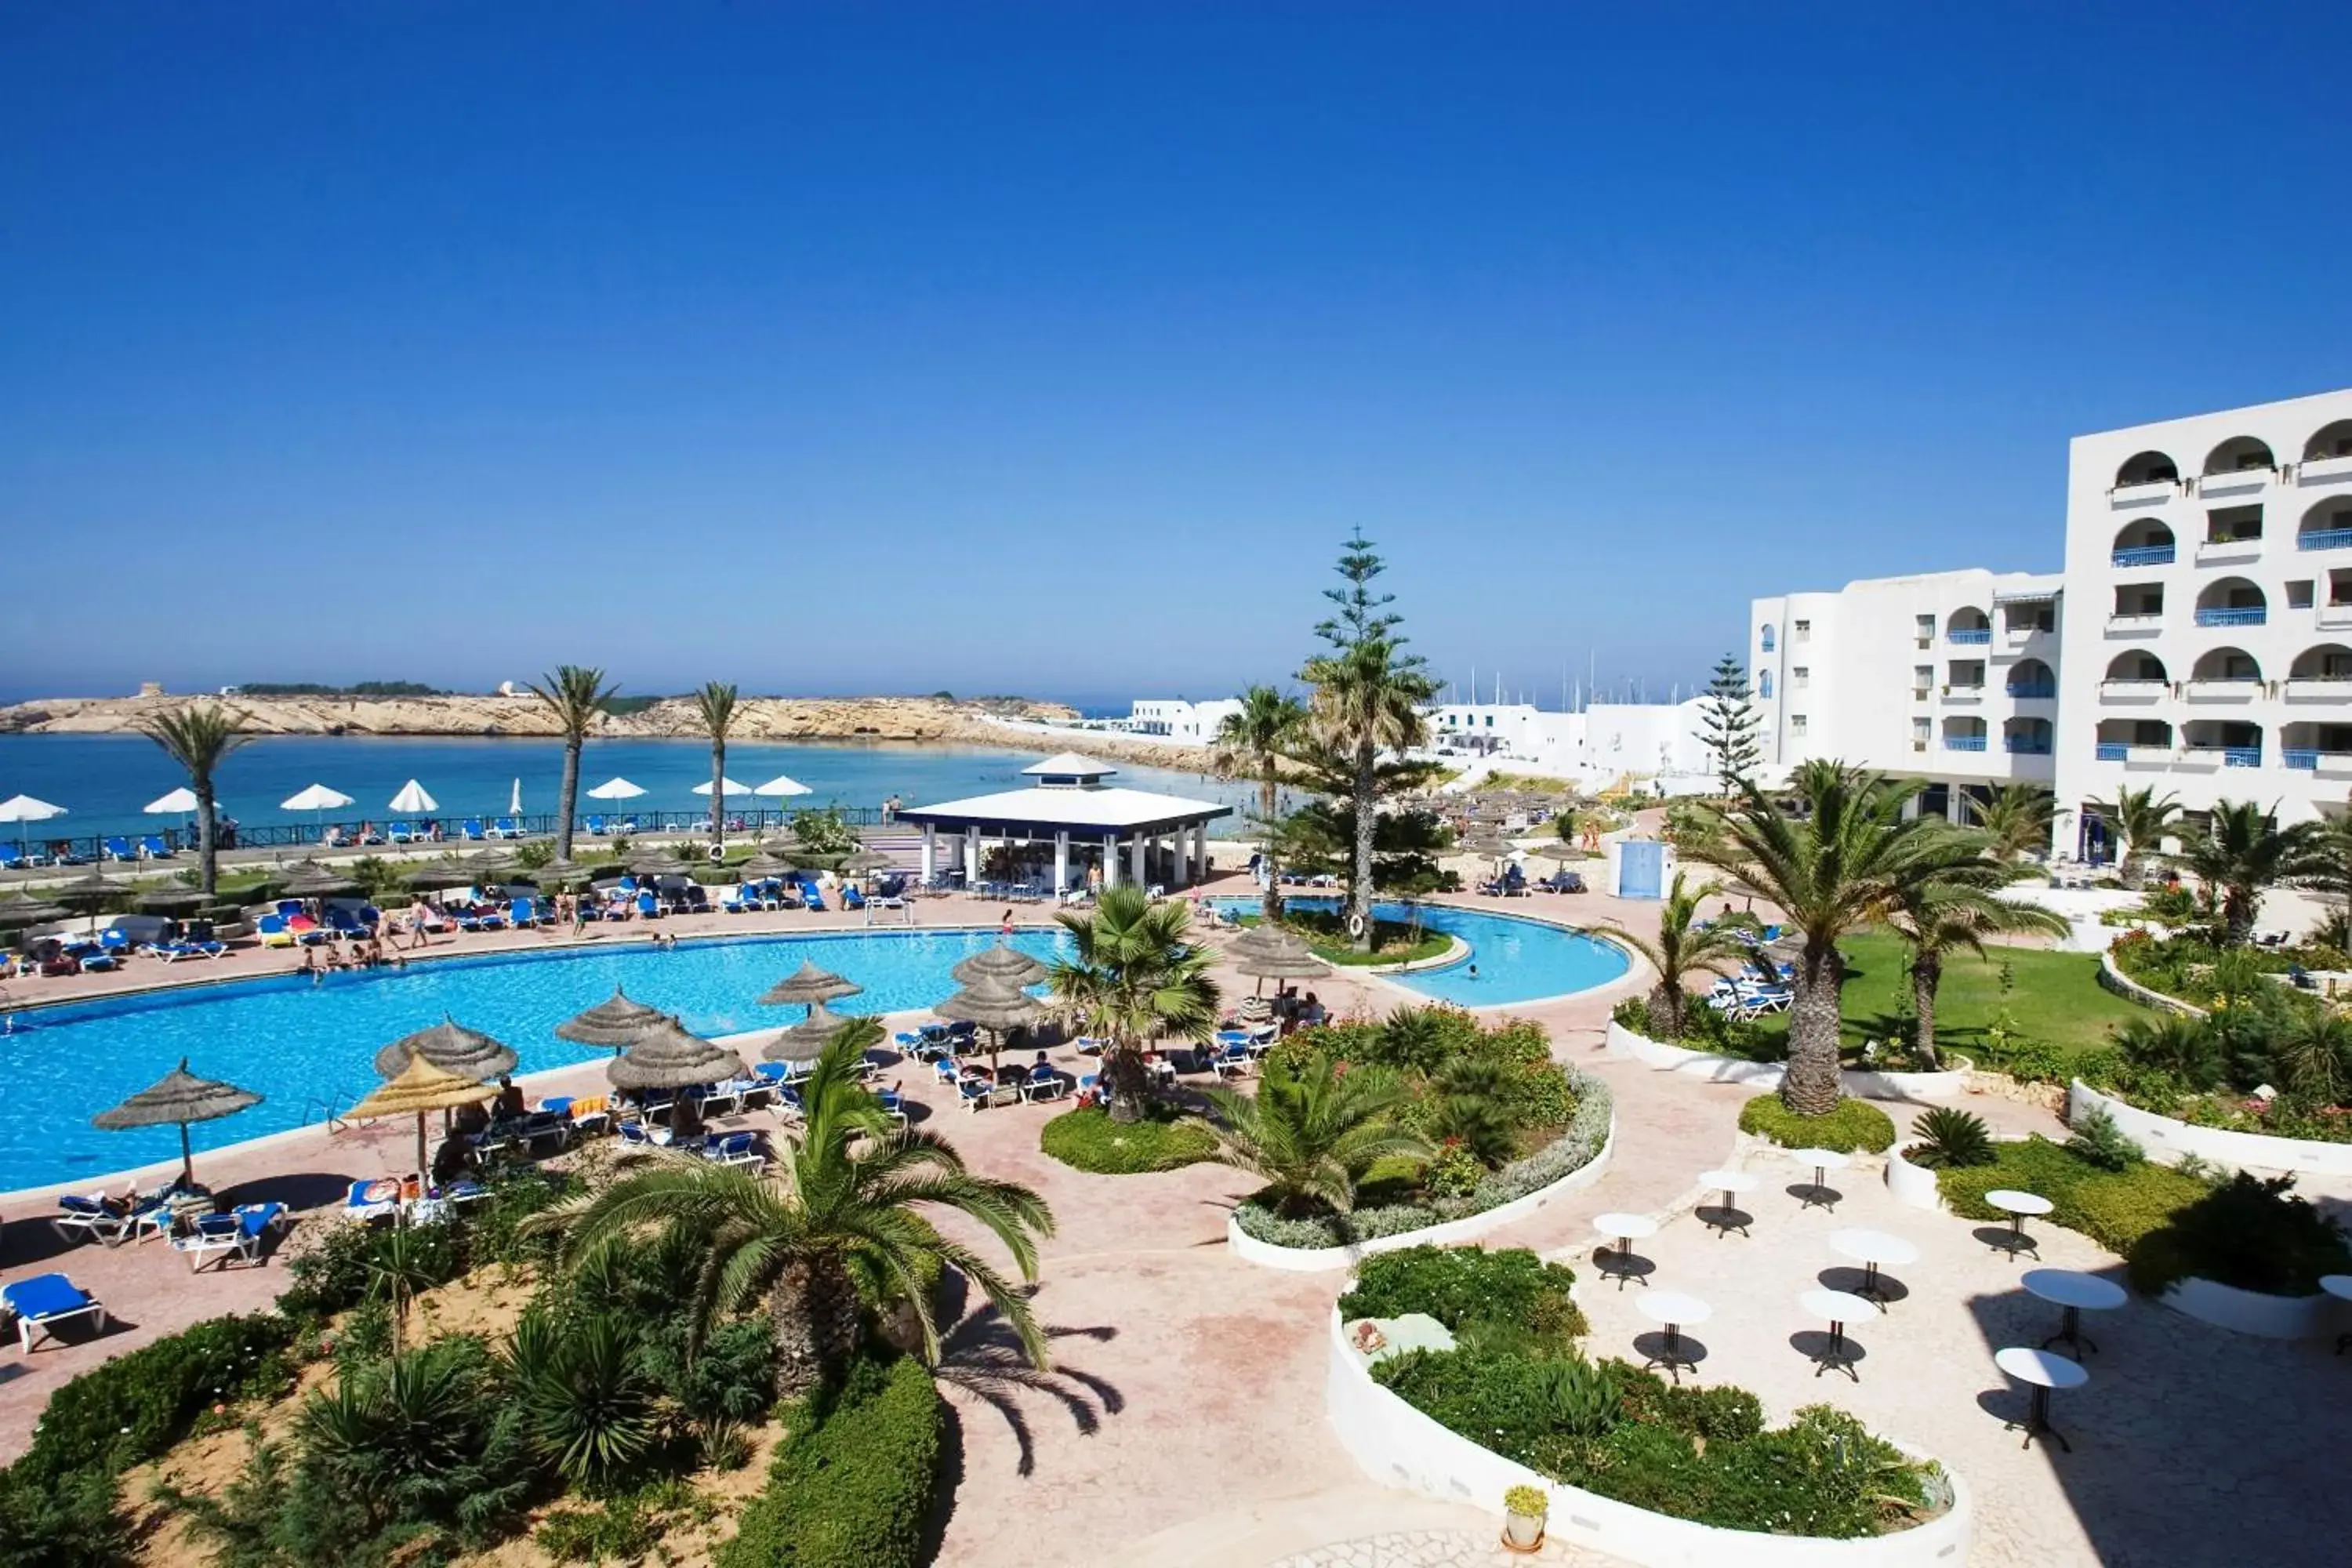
pixel 1972 691
pixel 2322 471
pixel 2024 746
pixel 2298 757
pixel 2136 621
pixel 1964 742
pixel 2237 482
pixel 2228 756
pixel 2145 555
pixel 2113 751
pixel 2319 689
pixel 2148 493
pixel 2324 539
pixel 2132 691
pixel 2222 687
pixel 2214 552
pixel 2033 688
pixel 2252 615
pixel 1975 636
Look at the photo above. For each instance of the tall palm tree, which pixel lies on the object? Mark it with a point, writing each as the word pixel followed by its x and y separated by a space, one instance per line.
pixel 714 705
pixel 1253 739
pixel 1369 695
pixel 2015 818
pixel 1680 949
pixel 1310 1132
pixel 2140 820
pixel 198 737
pixel 2242 852
pixel 1133 976
pixel 577 696
pixel 841 1208
pixel 1953 912
pixel 1828 871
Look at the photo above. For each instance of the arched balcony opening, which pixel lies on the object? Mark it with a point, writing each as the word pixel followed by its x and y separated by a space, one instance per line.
pixel 2329 441
pixel 2326 526
pixel 2226 665
pixel 2232 602
pixel 2240 454
pixel 2144 542
pixel 2147 469
pixel 2027 737
pixel 1968 625
pixel 1964 735
pixel 2136 666
pixel 2030 678
pixel 2134 740
pixel 2328 661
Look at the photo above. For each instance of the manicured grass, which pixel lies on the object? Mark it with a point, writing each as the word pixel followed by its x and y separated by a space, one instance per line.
pixel 1088 1140
pixel 1854 1124
pixel 1392 940
pixel 2055 996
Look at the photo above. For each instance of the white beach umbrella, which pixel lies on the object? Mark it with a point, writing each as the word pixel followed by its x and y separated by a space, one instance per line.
pixel 318 799
pixel 23 808
pixel 179 803
pixel 414 801
pixel 616 789
pixel 514 801
pixel 782 784
pixel 725 783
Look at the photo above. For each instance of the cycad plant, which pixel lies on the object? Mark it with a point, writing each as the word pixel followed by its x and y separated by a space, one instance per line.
pixel 577 695
pixel 2312 1053
pixel 1254 740
pixel 1134 976
pixel 423 1437
pixel 1948 1138
pixel 1467 1108
pixel 2180 1048
pixel 1680 948
pixel 1311 1132
pixel 197 738
pixel 715 704
pixel 2015 818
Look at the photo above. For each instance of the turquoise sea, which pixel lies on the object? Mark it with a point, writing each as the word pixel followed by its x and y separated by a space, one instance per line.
pixel 102 781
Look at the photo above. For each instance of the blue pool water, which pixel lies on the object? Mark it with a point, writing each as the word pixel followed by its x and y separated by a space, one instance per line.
pixel 308 1047
pixel 1517 960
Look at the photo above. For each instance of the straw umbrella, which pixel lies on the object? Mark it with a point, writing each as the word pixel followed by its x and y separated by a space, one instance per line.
pixel 1003 964
pixel 615 1022
pixel 167 901
pixel 20 910
pixel 668 1055
pixel 560 873
pixel 1282 956
pixel 863 859
pixel 437 875
pixel 994 1005
pixel 810 984
pixel 89 892
pixel 421 1089
pixel 179 1097
pixel 659 862
pixel 309 879
pixel 806 1040
pixel 763 865
pixel 448 1044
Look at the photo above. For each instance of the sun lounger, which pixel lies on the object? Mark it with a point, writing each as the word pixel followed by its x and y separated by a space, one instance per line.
pixel 372 1199
pixel 152 847
pixel 172 952
pixel 40 1303
pixel 235 1234
pixel 736 1149
pixel 851 899
pixel 400 831
pixel 648 907
pixel 472 830
pixel 810 898
pixel 594 826
pixel 89 1218
pixel 1232 1061
pixel 116 849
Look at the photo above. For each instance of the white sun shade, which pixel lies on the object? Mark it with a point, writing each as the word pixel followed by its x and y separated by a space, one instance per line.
pixel 25 808
pixel 616 789
pixel 317 798
pixel 729 785
pixel 413 798
pixel 782 784
pixel 180 802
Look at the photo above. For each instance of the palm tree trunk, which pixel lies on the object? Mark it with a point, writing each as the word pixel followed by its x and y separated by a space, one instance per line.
pixel 1812 1087
pixel 717 773
pixel 814 1314
pixel 1359 894
pixel 207 838
pixel 569 802
pixel 1667 1009
pixel 1270 906
pixel 1130 1089
pixel 1927 974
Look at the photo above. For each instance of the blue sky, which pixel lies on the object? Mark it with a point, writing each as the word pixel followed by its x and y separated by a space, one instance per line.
pixel 1052 349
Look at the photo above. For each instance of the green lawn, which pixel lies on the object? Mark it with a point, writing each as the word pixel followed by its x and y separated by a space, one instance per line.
pixel 2055 996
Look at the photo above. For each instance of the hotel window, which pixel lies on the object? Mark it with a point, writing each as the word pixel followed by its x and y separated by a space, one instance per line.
pixel 1796 723
pixel 1803 631
pixel 1923 679
pixel 2298 595
pixel 1925 630
pixel 1768 636
pixel 1764 685
pixel 1800 677
pixel 1921 728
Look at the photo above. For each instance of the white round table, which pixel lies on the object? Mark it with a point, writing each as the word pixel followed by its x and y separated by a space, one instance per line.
pixel 1823 1160
pixel 1871 1249
pixel 2340 1287
pixel 2017 1205
pixel 2076 1293
pixel 1727 1183
pixel 2041 1372
pixel 1671 1309
pixel 1839 1308
pixel 1625 1229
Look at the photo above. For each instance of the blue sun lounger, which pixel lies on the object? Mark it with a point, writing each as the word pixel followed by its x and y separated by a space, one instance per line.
pixel 118 850
pixel 47 1300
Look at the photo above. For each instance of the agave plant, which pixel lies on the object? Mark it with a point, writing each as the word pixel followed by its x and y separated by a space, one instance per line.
pixel 585 1398
pixel 1948 1138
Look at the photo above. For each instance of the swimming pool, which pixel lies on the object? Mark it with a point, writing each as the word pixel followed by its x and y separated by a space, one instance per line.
pixel 1517 960
pixel 310 1047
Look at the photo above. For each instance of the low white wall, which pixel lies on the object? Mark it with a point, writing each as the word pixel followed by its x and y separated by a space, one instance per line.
pixel 2252 1312
pixel 2131 989
pixel 1469 1227
pixel 1870 1084
pixel 1400 1446
pixel 1912 1184
pixel 2167 1140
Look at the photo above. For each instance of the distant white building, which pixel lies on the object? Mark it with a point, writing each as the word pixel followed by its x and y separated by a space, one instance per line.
pixel 1608 743
pixel 1174 718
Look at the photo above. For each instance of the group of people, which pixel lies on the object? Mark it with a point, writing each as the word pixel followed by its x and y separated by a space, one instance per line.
pixel 356 952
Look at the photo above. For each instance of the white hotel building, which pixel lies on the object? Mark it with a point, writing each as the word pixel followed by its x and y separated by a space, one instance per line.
pixel 2199 639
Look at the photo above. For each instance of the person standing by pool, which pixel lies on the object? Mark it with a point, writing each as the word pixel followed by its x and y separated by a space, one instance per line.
pixel 1005 927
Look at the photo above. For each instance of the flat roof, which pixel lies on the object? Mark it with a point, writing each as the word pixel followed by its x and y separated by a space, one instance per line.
pixel 1068 765
pixel 1050 810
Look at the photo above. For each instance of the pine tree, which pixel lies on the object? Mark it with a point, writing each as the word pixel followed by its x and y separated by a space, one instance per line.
pixel 1726 724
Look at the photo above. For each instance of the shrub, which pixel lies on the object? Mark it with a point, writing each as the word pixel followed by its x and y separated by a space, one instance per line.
pixel 2099 1142
pixel 1468 1289
pixel 2249 1233
pixel 2114 1208
pixel 67 1523
pixel 1949 1137
pixel 337 1265
pixel 1088 1140
pixel 1854 1124
pixel 852 1484
pixel 131 1408
pixel 1364 1223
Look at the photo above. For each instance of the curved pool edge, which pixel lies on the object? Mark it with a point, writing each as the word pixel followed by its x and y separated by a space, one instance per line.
pixel 1392 979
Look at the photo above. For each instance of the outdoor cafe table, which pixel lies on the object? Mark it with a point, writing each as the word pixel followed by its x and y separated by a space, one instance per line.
pixel 2041 1372
pixel 1839 1308
pixel 1626 1229
pixel 1727 1183
pixel 1671 1310
pixel 1869 1248
pixel 2017 1205
pixel 1823 1160
pixel 2076 1293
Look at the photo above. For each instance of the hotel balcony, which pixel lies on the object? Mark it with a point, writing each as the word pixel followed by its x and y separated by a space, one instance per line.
pixel 2032 691
pixel 2249 615
pixel 2325 538
pixel 1977 637
pixel 2228 552
pixel 2136 624
pixel 2151 493
pixel 2232 688
pixel 1964 742
pixel 2333 688
pixel 2025 746
pixel 2194 756
pixel 1965 693
pixel 2134 756
pixel 2241 485
pixel 2316 471
pixel 2146 555
pixel 2333 617
pixel 2134 691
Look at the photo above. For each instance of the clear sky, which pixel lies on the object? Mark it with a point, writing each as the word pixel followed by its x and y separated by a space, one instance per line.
pixel 1052 349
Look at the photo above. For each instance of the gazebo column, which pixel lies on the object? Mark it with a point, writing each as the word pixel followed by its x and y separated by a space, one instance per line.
pixel 931 851
pixel 1110 859
pixel 1061 859
pixel 1140 865
pixel 972 858
pixel 1199 853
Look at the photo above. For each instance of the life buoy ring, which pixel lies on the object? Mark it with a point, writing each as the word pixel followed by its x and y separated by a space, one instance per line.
pixel 1355 925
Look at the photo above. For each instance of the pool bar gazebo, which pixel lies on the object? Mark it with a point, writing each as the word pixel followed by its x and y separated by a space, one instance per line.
pixel 1070 807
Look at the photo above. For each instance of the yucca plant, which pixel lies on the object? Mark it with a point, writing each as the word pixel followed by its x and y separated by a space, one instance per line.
pixel 1948 1138
pixel 1467 1109
pixel 588 1404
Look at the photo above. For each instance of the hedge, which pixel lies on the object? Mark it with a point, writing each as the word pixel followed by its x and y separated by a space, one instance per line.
pixel 1087 1139
pixel 1854 1124
pixel 853 1484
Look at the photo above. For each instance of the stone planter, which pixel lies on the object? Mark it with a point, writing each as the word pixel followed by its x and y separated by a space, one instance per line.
pixel 1912 1184
pixel 2167 1140
pixel 2251 1312
pixel 1867 1083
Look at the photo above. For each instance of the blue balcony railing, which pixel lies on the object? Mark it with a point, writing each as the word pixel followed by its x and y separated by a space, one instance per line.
pixel 2296 757
pixel 2324 539
pixel 2144 556
pixel 1969 635
pixel 2113 751
pixel 1964 742
pixel 2033 688
pixel 2254 615
pixel 2233 756
pixel 2024 746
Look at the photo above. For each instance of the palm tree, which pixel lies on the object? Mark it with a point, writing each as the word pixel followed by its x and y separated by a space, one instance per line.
pixel 1253 739
pixel 1368 697
pixel 840 1210
pixel 2138 819
pixel 2314 1053
pixel 2244 851
pixel 1953 912
pixel 198 737
pixel 577 696
pixel 1829 871
pixel 714 704
pixel 1680 949
pixel 2015 818
pixel 1310 1132
pixel 1134 976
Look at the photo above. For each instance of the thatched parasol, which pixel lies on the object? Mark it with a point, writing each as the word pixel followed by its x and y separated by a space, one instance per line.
pixel 994 1005
pixel 1282 956
pixel 659 862
pixel 806 1040
pixel 92 888
pixel 668 1056
pixel 613 1022
pixel 420 1090
pixel 1560 849
pixel 763 864
pixel 495 865
pixel 560 873
pixel 1007 965
pixel 810 984
pixel 168 901
pixel 20 908
pixel 434 875
pixel 180 1097
pixel 309 879
pixel 450 1046
pixel 863 859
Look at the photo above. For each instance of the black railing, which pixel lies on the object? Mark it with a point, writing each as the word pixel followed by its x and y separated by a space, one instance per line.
pixel 86 848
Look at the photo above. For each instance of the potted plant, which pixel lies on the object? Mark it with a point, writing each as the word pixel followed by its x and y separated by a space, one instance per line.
pixel 1525 1510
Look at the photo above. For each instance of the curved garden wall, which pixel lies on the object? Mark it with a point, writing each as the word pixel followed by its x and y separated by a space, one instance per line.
pixel 2131 989
pixel 2169 1140
pixel 1625 1044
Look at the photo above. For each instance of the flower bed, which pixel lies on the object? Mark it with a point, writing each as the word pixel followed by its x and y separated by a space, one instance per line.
pixel 2173 1139
pixel 1088 1139
pixel 1855 1124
